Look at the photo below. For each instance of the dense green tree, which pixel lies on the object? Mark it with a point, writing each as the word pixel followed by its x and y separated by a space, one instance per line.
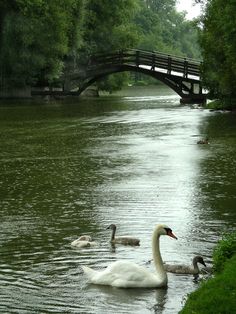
pixel 108 26
pixel 36 37
pixel 164 29
pixel 218 43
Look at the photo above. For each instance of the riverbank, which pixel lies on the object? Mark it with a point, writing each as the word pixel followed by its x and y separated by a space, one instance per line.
pixel 218 294
pixel 220 105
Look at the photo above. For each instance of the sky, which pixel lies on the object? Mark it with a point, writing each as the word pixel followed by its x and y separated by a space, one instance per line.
pixel 187 5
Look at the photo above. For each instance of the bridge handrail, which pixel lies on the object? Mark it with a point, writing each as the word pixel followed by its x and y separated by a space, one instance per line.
pixel 170 55
pixel 186 66
pixel 148 52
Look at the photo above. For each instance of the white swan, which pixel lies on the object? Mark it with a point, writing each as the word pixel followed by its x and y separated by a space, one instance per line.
pixel 85 238
pixel 185 269
pixel 125 274
pixel 83 241
pixel 122 240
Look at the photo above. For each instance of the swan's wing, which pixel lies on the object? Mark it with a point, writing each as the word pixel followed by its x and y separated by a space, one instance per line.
pixel 131 275
pixel 179 269
pixel 80 244
pixel 85 238
pixel 124 274
pixel 104 277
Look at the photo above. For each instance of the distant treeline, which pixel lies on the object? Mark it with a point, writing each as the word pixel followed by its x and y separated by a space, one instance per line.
pixel 41 39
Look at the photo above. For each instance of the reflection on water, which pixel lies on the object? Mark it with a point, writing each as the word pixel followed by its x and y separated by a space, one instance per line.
pixel 69 169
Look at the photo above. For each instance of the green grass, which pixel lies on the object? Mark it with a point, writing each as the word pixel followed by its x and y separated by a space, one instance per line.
pixel 217 295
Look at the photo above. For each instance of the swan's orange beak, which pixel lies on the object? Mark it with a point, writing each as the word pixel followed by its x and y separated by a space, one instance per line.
pixel 171 234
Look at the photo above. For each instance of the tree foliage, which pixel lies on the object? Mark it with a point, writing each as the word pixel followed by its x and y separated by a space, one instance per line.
pixel 164 29
pixel 218 43
pixel 36 36
pixel 108 25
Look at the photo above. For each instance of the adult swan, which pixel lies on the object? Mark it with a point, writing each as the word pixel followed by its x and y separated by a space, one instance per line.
pixel 125 274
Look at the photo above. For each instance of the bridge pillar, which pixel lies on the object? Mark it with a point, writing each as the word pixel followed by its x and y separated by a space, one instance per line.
pixel 193 99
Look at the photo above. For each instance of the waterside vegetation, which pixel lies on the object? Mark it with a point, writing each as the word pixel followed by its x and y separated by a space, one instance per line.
pixel 218 48
pixel 218 294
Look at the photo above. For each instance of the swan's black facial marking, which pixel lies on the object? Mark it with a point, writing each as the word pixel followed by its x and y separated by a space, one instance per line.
pixel 170 233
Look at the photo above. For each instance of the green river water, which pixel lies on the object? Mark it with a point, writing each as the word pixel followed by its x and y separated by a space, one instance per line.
pixel 73 167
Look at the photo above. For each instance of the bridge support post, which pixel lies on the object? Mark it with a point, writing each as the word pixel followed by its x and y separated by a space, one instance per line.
pixel 193 99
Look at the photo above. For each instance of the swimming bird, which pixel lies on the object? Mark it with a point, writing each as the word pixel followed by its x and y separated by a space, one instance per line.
pixel 122 240
pixel 203 141
pixel 126 274
pixel 85 238
pixel 83 241
pixel 185 269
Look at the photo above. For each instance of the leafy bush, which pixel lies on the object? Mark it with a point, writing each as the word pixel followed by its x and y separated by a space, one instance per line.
pixel 224 250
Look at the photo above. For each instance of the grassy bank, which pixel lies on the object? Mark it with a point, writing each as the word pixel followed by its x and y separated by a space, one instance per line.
pixel 218 294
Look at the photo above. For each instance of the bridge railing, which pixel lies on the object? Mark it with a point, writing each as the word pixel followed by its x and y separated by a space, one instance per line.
pixel 154 60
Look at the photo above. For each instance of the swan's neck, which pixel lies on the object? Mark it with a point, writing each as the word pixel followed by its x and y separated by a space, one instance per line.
pixel 195 266
pixel 157 255
pixel 113 234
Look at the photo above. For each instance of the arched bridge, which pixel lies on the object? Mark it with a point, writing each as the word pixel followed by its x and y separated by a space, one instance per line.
pixel 180 74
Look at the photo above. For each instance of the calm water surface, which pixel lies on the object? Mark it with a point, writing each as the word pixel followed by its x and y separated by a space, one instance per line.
pixel 74 168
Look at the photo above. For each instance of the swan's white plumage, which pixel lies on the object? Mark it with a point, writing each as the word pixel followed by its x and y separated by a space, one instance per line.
pixel 126 274
pixel 85 238
pixel 83 241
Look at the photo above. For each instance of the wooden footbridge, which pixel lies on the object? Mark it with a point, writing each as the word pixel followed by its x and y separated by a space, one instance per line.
pixel 180 74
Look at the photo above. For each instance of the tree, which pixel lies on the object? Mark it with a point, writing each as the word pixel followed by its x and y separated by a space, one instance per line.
pixel 36 37
pixel 164 29
pixel 218 43
pixel 108 26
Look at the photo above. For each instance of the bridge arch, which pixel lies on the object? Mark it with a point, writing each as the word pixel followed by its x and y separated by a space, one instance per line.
pixel 180 74
pixel 174 84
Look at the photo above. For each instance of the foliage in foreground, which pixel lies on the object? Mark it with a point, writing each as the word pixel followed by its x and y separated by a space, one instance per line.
pixel 217 295
pixel 224 250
